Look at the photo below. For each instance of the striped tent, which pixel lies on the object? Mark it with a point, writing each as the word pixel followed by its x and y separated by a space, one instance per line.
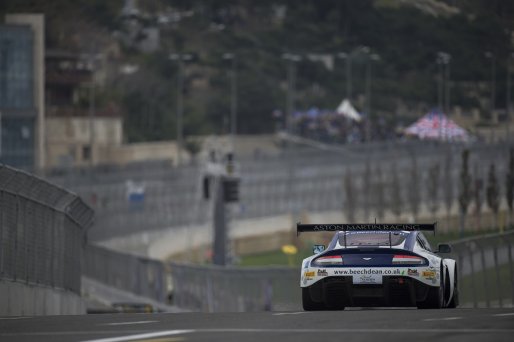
pixel 437 126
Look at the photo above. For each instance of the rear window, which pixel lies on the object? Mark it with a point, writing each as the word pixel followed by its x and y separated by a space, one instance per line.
pixel 373 238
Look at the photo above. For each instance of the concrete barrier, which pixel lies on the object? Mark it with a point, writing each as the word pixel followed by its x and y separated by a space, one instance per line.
pixel 17 299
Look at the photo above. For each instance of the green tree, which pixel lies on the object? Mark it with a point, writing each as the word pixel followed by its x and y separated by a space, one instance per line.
pixel 493 193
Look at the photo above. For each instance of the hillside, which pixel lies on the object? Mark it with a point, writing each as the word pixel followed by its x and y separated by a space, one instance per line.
pixel 406 35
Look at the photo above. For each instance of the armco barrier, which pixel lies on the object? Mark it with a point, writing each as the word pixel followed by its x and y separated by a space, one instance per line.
pixel 486 270
pixel 42 234
pixel 141 276
pixel 486 279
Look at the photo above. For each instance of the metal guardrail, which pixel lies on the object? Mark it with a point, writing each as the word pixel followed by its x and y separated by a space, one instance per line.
pixel 485 266
pixel 42 231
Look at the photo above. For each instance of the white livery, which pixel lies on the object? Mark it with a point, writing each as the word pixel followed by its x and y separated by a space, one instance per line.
pixel 390 265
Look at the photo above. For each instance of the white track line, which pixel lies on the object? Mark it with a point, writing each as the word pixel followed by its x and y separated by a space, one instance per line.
pixel 504 314
pixel 10 318
pixel 442 319
pixel 142 336
pixel 288 313
pixel 129 323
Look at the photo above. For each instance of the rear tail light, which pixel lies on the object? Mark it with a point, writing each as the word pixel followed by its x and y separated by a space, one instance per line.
pixel 329 260
pixel 408 260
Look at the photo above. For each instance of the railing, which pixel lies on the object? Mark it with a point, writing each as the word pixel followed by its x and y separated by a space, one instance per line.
pixel 486 270
pixel 42 231
pixel 485 266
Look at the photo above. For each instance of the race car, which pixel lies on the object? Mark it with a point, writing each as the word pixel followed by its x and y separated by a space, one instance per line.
pixel 377 265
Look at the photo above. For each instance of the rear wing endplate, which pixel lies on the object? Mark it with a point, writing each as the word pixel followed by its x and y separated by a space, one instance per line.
pixel 301 228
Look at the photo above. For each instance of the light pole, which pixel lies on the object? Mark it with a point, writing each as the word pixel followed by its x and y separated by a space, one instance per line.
pixel 180 58
pixel 92 108
pixel 291 80
pixel 233 96
pixel 348 58
pixel 491 56
pixel 443 95
pixel 0 133
pixel 371 58
pixel 508 104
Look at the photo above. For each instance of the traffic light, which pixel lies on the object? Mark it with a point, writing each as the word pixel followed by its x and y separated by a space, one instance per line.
pixel 231 190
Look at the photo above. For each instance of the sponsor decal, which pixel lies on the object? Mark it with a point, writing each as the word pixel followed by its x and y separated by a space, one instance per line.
pixel 365 271
pixel 429 274
pixel 413 272
pixel 310 274
pixel 366 227
pixel 403 272
pixel 322 273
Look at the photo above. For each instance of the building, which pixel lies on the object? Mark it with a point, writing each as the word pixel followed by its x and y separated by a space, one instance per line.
pixel 22 103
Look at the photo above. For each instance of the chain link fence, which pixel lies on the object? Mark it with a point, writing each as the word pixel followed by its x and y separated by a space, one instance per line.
pixel 42 231
pixel 485 273
pixel 133 199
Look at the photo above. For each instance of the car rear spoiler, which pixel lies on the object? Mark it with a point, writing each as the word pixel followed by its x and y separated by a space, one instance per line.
pixel 301 228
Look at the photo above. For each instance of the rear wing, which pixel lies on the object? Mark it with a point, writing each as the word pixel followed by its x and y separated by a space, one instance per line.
pixel 301 228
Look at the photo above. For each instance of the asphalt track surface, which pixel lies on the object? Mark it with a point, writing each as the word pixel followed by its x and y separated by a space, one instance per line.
pixel 349 325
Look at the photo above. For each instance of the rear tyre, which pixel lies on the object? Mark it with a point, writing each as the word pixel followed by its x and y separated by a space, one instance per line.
pixel 455 299
pixel 435 296
pixel 308 303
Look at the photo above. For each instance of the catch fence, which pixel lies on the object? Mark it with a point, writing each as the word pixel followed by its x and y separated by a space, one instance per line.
pixel 42 231
pixel 133 200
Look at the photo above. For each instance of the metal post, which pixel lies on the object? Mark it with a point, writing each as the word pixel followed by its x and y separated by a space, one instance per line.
pixel 440 84
pixel 293 93
pixel 511 267
pixel 368 80
pixel 447 82
pixel 233 105
pixel 180 58
pixel 497 271
pixel 486 285
pixel 508 104
pixel 0 133
pixel 289 100
pixel 180 90
pixel 493 84
pixel 473 285
pixel 291 80
pixel 349 77
pixel 92 114
pixel 220 225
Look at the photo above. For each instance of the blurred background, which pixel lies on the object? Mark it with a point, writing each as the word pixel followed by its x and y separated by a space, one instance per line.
pixel 199 132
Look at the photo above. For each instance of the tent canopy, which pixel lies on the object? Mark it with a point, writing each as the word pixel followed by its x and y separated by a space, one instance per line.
pixel 346 109
pixel 437 126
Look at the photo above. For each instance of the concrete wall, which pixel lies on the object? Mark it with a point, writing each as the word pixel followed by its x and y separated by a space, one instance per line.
pixel 17 299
